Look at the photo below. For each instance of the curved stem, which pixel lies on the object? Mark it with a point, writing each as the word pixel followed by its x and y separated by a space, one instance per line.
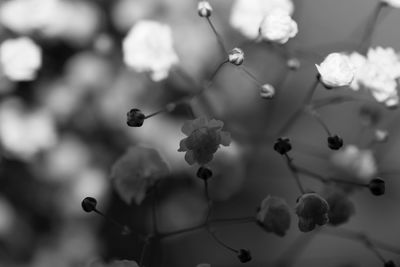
pixel 294 171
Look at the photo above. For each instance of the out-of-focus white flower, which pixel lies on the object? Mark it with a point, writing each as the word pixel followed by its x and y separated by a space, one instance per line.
pixel 148 46
pixel 20 59
pixel 25 134
pixel 246 15
pixel 278 27
pixel 386 60
pixel 393 3
pixel 358 62
pixel 356 163
pixel 336 70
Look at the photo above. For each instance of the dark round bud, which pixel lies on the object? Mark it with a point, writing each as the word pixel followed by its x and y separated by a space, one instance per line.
pixel 204 9
pixel 135 118
pixel 89 204
pixel 377 186
pixel 244 255
pixel 204 173
pixel 389 264
pixel 335 142
pixel 282 145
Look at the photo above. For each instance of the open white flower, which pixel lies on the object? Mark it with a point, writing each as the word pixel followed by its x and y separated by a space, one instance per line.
pixel 246 15
pixel 148 47
pixel 386 60
pixel 393 3
pixel 278 27
pixel 336 70
pixel 358 62
pixel 20 59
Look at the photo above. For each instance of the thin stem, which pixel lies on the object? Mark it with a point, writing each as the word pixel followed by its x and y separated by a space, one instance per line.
pixel 214 74
pixel 209 202
pixel 219 241
pixel 294 172
pixel 314 114
pixel 182 231
pixel 217 36
pixel 289 123
pixel 367 38
pixel 143 253
pixel 251 76
pixel 249 219
pixel 154 210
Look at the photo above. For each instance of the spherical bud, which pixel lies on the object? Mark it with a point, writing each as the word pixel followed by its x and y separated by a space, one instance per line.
pixel 89 204
pixel 274 215
pixel 267 91
pixel 335 71
pixel 204 173
pixel 377 186
pixel 135 118
pixel 244 255
pixel 282 145
pixel 204 9
pixel 236 56
pixel 381 136
pixel 340 206
pixel 335 142
pixel 293 63
pixel 389 264
pixel 312 210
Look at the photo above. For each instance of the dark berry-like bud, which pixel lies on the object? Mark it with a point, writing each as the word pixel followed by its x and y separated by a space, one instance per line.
pixel 236 56
pixel 204 173
pixel 282 145
pixel 335 142
pixel 389 264
pixel 244 255
pixel 89 204
pixel 377 186
pixel 204 9
pixel 135 118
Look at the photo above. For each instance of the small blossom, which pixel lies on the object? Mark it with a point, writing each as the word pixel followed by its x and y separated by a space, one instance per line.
pixel 204 9
pixel 312 210
pixel 335 142
pixel 274 215
pixel 293 63
pixel 20 59
pixel 278 27
pixel 89 204
pixel 236 56
pixel 340 206
pixel 267 91
pixel 246 15
pixel 381 136
pixel 204 173
pixel 356 163
pixel 136 171
pixel 282 145
pixel 385 59
pixel 336 70
pixel 135 118
pixel 203 139
pixel 377 186
pixel 148 47
pixel 244 255
pixel 393 3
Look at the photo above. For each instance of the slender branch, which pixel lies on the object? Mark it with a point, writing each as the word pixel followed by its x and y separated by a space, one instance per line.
pixel 314 114
pixel 250 75
pixel 219 241
pixel 217 36
pixel 294 172
pixel 367 38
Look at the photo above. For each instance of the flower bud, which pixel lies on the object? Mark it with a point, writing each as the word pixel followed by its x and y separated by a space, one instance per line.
pixel 381 136
pixel 293 63
pixel 236 56
pixel 244 255
pixel 335 142
pixel 335 71
pixel 340 206
pixel 89 204
pixel 312 210
pixel 377 186
pixel 267 91
pixel 135 118
pixel 389 264
pixel 274 216
pixel 204 9
pixel 278 27
pixel 204 173
pixel 282 145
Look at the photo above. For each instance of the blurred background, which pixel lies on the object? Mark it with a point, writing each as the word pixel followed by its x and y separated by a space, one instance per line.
pixel 61 132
